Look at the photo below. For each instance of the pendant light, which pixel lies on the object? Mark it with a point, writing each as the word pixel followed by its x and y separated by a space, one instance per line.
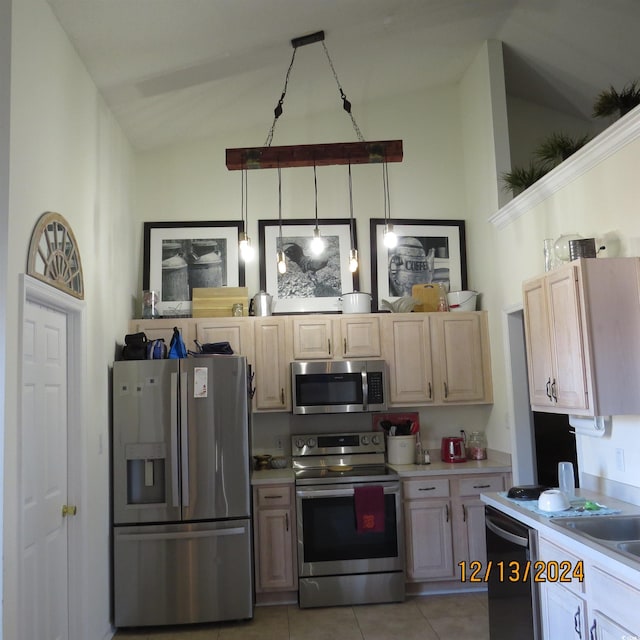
pixel 282 264
pixel 247 252
pixel 353 252
pixel 389 238
pixel 317 243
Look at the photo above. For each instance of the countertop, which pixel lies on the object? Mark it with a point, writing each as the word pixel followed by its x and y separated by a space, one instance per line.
pixel 439 468
pixel 583 547
pixel 436 468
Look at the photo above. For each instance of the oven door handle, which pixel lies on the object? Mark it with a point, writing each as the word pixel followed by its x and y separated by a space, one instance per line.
pixel 331 493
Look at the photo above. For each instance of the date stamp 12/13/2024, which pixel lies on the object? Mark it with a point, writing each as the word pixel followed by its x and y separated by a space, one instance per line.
pixel 514 571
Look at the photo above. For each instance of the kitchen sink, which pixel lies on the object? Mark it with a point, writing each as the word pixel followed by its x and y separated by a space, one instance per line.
pixel 618 533
pixel 613 528
pixel 630 547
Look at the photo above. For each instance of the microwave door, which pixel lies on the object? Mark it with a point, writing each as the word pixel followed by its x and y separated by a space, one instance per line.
pixel 145 442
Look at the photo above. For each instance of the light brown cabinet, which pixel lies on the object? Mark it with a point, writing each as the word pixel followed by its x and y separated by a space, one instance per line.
pixel 238 332
pixel 274 538
pixel 444 524
pixel 163 328
pixel 272 380
pixel 583 351
pixel 326 338
pixel 437 358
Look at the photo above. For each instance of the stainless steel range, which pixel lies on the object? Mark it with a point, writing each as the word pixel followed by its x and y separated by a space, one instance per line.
pixel 338 562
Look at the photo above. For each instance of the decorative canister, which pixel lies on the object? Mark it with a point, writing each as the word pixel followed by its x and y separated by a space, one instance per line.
pixel 175 283
pixel 477 446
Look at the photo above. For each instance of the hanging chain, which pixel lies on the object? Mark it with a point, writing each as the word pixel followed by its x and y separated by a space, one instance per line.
pixel 315 188
pixel 346 105
pixel 277 112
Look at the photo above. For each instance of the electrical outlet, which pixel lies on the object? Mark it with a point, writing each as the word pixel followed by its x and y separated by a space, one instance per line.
pixel 620 459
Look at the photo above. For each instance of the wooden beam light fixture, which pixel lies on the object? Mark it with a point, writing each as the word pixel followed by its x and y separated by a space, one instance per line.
pixel 308 155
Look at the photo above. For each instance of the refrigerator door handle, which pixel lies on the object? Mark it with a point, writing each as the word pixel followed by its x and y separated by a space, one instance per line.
pixel 134 537
pixel 184 437
pixel 175 490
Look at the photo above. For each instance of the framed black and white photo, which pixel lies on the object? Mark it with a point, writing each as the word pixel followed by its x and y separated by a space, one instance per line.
pixel 181 256
pixel 312 283
pixel 428 251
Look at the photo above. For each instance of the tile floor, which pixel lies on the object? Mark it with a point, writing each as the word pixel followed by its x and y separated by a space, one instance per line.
pixel 454 617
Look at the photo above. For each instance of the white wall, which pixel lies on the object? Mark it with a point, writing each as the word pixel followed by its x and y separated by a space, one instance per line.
pixel 67 155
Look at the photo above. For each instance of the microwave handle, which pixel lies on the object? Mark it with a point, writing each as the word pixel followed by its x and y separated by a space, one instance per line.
pixel 365 389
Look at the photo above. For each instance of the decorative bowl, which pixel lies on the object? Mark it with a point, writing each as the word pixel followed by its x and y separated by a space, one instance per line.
pixel 279 462
pixel 263 461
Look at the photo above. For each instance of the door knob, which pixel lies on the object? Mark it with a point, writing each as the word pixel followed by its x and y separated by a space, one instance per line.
pixel 69 510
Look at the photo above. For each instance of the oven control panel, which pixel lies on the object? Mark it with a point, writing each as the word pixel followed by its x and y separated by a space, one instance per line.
pixel 337 443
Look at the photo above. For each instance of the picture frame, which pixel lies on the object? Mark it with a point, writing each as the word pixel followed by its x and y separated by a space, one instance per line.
pixel 179 256
pixel 433 251
pixel 310 285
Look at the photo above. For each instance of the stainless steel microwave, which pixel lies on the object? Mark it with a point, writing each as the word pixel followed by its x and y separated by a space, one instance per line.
pixel 339 386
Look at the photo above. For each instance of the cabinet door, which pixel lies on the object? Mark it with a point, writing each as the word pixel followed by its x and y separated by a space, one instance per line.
pixel 538 342
pixel 428 539
pixel 563 613
pixel 163 328
pixel 238 332
pixel 275 550
pixel 360 337
pixel 312 338
pixel 569 389
pixel 602 628
pixel 272 379
pixel 460 346
pixel 407 350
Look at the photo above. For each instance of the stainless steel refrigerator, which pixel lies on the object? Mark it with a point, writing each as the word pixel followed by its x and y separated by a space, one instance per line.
pixel 182 542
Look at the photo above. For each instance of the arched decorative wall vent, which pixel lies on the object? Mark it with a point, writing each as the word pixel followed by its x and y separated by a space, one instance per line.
pixel 54 256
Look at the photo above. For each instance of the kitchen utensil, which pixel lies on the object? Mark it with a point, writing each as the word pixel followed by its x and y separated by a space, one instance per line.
pixel 452 449
pixel 356 302
pixel 553 500
pixel 526 492
pixel 566 479
pixel 261 304
pixel 462 300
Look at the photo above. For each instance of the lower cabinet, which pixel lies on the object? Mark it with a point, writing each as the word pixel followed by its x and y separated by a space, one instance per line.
pixel 444 524
pixel 274 538
pixel 428 529
pixel 591 602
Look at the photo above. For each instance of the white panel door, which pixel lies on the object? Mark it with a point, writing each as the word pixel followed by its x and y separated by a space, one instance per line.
pixel 43 451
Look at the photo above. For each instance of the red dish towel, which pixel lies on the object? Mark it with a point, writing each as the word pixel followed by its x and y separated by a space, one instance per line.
pixel 369 505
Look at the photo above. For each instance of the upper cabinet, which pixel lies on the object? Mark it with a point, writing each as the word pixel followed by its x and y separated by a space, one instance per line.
pixel 272 378
pixel 581 332
pixel 238 332
pixel 437 358
pixel 317 337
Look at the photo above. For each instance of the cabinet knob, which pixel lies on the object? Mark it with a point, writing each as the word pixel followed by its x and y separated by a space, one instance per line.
pixel 576 622
pixel 548 389
pixel 345 347
pixel 329 346
pixel 282 396
pixel 430 392
pixel 446 390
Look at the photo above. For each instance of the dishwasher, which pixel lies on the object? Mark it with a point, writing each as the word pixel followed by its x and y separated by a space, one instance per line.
pixel 513 600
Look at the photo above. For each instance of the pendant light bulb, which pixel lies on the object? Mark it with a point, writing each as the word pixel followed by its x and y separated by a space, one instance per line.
pixel 282 265
pixel 247 252
pixel 317 243
pixel 353 260
pixel 389 238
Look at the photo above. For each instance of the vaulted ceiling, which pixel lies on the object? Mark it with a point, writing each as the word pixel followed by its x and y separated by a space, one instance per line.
pixel 174 70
